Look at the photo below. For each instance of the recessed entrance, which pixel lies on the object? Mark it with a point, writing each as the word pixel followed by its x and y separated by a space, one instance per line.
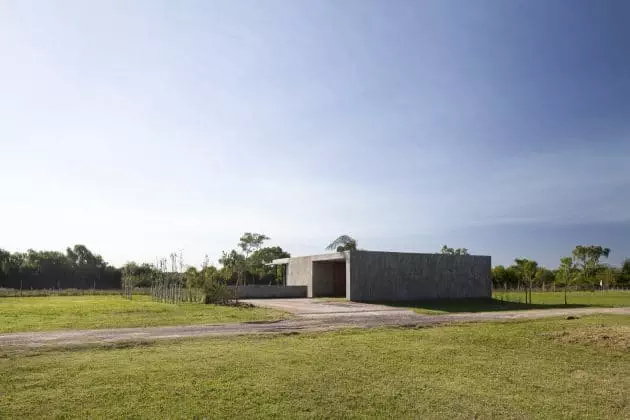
pixel 329 278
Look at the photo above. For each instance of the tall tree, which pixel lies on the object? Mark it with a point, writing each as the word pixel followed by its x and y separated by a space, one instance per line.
pixel 77 268
pixel 588 257
pixel 343 243
pixel 454 251
pixel 258 262
pixel 544 277
pixel 506 277
pixel 86 265
pixel 5 257
pixel 608 276
pixel 625 273
pixel 232 261
pixel 250 242
pixel 527 269
pixel 566 273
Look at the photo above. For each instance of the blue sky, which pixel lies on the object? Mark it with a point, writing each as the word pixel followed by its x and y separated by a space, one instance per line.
pixel 139 128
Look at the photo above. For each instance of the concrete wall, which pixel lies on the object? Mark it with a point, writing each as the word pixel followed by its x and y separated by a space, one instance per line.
pixel 314 272
pixel 392 276
pixel 256 291
pixel 300 273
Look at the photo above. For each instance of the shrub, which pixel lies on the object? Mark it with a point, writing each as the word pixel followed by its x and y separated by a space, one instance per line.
pixel 218 293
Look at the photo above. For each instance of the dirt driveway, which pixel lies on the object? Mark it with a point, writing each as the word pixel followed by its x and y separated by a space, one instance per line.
pixel 313 308
pixel 307 322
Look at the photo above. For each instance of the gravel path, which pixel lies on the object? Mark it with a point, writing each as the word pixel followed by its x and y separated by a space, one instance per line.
pixel 307 322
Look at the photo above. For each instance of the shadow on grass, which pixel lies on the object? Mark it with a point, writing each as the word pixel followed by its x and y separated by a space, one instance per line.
pixel 473 305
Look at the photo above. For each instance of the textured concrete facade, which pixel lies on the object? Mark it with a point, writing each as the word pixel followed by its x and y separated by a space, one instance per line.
pixel 391 276
pixel 315 272
pixel 257 291
pixel 395 276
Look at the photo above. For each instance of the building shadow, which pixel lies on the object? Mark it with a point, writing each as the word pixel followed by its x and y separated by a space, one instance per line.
pixel 474 305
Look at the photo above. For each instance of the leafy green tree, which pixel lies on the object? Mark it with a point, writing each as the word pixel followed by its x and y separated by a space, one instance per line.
pixel 135 275
pixel 343 243
pixel 88 266
pixel 588 257
pixel 250 242
pixel 505 276
pixel 232 260
pixel 566 274
pixel 193 278
pixel 78 268
pixel 258 262
pixel 454 251
pixel 624 278
pixel 607 275
pixel 499 276
pixel 544 277
pixel 5 257
pixel 80 255
pixel 527 269
pixel 15 270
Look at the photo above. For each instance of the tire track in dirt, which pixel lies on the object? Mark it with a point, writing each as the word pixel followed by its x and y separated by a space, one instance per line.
pixel 303 323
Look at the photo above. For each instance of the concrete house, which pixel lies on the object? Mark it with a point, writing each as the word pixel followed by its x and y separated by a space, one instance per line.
pixel 389 276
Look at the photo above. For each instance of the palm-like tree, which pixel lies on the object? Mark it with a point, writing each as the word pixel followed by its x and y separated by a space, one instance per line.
pixel 343 243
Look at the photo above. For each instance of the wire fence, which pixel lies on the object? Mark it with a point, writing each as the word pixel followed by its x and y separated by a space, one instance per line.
pixel 575 295
pixel 559 288
pixel 168 291
pixel 5 292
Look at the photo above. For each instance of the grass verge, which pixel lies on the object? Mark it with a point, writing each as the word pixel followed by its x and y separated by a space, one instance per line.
pixel 87 312
pixel 512 370
pixel 603 298
pixel 512 301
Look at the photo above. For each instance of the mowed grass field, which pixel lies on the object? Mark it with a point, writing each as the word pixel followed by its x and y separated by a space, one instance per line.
pixel 88 312
pixel 112 311
pixel 513 301
pixel 536 369
pixel 605 298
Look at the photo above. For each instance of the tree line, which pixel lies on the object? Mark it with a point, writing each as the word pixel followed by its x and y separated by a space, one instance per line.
pixel 248 263
pixel 80 268
pixel 77 268
pixel 582 270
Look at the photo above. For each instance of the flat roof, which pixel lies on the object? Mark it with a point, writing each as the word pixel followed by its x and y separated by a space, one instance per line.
pixel 340 256
pixel 333 256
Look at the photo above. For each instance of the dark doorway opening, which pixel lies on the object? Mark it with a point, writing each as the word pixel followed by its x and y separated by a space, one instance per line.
pixel 329 278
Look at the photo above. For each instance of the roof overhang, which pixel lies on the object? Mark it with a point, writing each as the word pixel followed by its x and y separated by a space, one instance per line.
pixel 333 256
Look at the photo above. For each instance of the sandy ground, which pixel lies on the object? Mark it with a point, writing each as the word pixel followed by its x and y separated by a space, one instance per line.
pixel 320 307
pixel 311 316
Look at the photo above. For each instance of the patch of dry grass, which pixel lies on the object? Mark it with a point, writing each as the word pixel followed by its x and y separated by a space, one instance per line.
pixel 615 337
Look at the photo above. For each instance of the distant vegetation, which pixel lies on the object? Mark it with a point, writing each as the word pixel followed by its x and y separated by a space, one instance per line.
pixel 80 268
pixel 77 268
pixel 583 270
pixel 343 243
pixel 453 251
pixel 248 263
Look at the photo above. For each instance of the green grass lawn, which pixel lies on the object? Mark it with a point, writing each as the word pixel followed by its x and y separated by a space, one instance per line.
pixel 512 301
pixel 607 298
pixel 536 369
pixel 86 312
